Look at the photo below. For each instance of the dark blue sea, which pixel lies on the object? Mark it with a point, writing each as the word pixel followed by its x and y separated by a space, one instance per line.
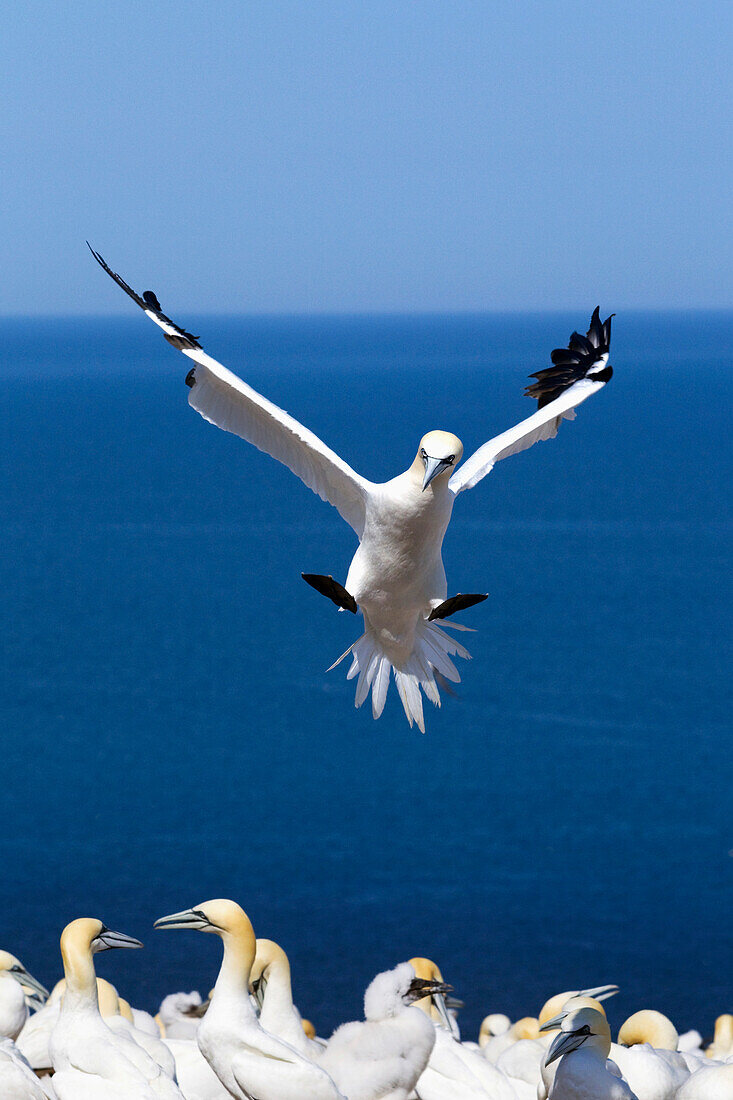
pixel 169 733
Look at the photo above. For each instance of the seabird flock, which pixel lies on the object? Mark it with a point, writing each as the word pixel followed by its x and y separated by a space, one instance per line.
pixel 247 1040
pixel 396 578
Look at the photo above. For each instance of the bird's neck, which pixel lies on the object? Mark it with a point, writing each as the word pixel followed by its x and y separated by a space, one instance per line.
pixel 232 985
pixel 81 980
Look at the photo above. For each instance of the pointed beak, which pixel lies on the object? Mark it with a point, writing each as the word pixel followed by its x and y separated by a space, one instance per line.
pixel 563 1044
pixel 426 987
pixel 433 466
pixel 600 993
pixel 30 983
pixel 187 918
pixel 554 1023
pixel 109 940
pixel 197 1012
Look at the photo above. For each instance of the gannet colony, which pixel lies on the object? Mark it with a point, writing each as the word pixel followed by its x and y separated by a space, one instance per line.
pixel 247 1039
pixel 396 578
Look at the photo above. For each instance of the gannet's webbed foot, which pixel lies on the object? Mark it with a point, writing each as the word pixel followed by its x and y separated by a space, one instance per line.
pixel 336 592
pixel 455 603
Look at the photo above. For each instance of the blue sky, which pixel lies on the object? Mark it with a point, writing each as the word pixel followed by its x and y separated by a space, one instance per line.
pixel 342 156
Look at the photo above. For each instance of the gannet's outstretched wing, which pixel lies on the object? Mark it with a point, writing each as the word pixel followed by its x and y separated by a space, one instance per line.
pixel 225 400
pixel 577 371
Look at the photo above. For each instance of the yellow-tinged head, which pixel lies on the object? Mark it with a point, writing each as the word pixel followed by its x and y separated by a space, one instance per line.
pixel 722 1044
pixel 649 1026
pixel 438 454
pixel 268 954
pixel 32 988
pixel 526 1028
pixel 228 920
pixel 555 1006
pixel 308 1028
pixel 496 1023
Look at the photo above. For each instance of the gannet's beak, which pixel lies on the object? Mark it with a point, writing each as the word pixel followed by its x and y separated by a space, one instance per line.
pixel 197 1012
pixel 439 1002
pixel 187 918
pixel 433 466
pixel 28 982
pixel 565 1042
pixel 107 939
pixel 600 993
pixel 551 1025
pixel 426 987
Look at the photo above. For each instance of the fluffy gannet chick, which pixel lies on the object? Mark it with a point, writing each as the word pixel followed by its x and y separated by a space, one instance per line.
pixel 582 1046
pixel 270 983
pixel 396 578
pixel 90 1061
pixel 383 1057
pixel 177 1021
pixel 14 980
pixel 646 1054
pixel 248 1061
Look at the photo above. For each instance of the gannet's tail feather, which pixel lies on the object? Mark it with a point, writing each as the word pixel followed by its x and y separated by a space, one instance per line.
pixel 432 653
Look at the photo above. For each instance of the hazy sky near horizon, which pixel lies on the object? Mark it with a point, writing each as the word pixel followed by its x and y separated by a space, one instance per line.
pixel 332 155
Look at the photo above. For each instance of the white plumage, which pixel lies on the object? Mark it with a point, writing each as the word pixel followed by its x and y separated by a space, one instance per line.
pixel 396 578
pixel 383 1057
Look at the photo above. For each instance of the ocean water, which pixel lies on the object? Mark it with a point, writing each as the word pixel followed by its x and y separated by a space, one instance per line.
pixel 169 733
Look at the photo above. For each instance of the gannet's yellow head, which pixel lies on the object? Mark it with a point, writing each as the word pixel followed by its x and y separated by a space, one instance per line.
pixel 308 1028
pixel 553 1010
pixel 227 919
pixel 437 455
pixel 432 1002
pixel 722 1044
pixel 649 1026
pixel 526 1028
pixel 86 934
pixel 496 1023
pixel 268 955
pixel 32 988
pixel 583 1026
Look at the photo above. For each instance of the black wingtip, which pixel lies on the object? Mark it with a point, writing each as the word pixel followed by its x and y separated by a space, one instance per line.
pixel 330 588
pixel 150 298
pixel 574 362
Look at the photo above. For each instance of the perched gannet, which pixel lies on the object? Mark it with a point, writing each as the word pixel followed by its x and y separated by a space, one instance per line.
pixel 384 1056
pixel 90 1061
pixel 551 1025
pixel 583 1045
pixel 646 1054
pixel 248 1061
pixel 454 1071
pixel 14 980
pixel 396 578
pixel 270 983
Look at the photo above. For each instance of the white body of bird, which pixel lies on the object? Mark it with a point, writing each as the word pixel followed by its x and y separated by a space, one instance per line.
pixel 708 1083
pixel 196 1079
pixel 17 1079
pixel 248 1061
pixel 396 579
pixel 383 1057
pixel 90 1061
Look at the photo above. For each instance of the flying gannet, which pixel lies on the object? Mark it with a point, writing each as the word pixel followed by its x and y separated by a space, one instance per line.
pixel 396 578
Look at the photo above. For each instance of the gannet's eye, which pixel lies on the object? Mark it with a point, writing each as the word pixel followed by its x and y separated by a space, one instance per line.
pixel 423 454
pixel 451 459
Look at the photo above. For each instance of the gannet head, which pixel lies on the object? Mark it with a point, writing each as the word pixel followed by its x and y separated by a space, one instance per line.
pixel 308 1028
pixel 526 1028
pixel 268 954
pixel 89 934
pixel 437 455
pixel 432 1001
pixel 31 986
pixel 222 916
pixel 554 1007
pixel 722 1044
pixel 649 1026
pixel 582 1027
pixel 553 1023
pixel 496 1023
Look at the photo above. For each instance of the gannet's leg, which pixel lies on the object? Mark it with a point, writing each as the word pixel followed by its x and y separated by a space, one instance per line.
pixel 336 592
pixel 455 603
